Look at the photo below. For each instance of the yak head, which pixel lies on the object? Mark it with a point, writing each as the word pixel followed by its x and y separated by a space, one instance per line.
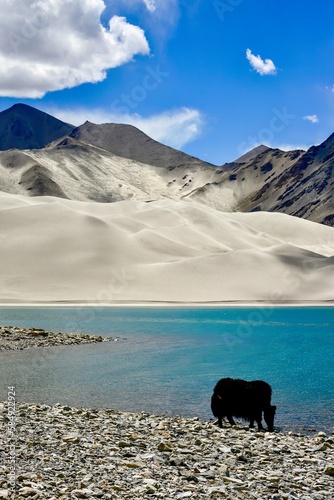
pixel 269 416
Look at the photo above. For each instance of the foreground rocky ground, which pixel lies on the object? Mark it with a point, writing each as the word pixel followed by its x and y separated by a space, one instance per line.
pixel 69 453
pixel 15 338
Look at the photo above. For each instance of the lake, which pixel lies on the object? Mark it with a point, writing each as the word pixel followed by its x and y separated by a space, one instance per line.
pixel 167 360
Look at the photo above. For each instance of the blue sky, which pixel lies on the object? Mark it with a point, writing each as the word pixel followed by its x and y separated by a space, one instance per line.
pixel 213 78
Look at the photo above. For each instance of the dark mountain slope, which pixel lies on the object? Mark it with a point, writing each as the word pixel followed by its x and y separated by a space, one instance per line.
pixel 129 142
pixel 24 127
pixel 253 153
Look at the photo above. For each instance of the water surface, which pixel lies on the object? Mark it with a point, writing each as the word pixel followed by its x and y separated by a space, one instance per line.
pixel 167 360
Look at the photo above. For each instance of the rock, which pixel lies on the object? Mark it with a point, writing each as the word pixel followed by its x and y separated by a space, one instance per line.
pixel 24 338
pixel 28 492
pixel 4 493
pixel 124 444
pixel 83 493
pixel 67 453
pixel 330 470
pixel 134 465
pixel 167 447
pixel 220 490
pixel 71 438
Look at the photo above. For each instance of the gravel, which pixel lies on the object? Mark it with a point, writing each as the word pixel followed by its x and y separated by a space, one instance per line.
pixel 15 338
pixel 68 453
pixel 62 453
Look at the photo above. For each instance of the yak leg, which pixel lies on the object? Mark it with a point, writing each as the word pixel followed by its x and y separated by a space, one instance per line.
pixel 258 419
pixel 251 423
pixel 230 419
pixel 220 421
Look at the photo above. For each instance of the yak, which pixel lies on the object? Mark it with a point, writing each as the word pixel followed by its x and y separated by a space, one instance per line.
pixel 242 399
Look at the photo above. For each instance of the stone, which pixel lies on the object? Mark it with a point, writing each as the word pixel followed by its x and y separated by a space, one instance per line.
pixel 124 444
pixel 71 438
pixel 28 492
pixel 83 493
pixel 134 465
pixel 165 447
pixel 330 470
pixel 182 458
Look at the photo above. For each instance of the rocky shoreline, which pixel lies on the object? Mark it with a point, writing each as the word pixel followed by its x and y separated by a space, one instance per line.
pixel 70 453
pixel 15 338
pixel 59 452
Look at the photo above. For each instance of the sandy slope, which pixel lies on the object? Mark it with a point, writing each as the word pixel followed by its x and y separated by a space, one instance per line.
pixel 60 250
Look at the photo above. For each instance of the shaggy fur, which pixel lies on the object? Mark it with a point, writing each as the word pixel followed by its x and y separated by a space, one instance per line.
pixel 246 400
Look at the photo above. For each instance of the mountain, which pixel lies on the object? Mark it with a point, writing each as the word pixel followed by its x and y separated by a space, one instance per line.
pixel 71 169
pixel 111 162
pixel 253 153
pixel 24 127
pixel 297 183
pixel 129 142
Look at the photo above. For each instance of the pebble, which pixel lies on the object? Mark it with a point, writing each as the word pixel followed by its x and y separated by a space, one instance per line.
pixel 121 456
pixel 15 338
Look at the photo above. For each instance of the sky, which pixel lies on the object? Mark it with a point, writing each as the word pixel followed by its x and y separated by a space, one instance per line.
pixel 213 78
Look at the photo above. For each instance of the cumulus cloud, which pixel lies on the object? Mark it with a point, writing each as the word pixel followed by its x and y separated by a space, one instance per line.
pixel 175 127
pixel 311 118
pixel 263 67
pixel 49 45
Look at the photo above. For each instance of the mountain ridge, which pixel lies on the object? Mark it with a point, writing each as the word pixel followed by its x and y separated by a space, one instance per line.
pixel 127 141
pixel 25 127
pixel 114 162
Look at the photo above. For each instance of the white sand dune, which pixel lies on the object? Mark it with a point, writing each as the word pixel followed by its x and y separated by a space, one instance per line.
pixel 57 250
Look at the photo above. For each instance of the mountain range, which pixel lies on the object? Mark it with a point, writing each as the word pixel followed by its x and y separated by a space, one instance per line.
pixel 43 156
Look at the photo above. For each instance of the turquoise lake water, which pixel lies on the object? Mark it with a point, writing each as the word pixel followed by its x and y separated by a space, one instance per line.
pixel 167 360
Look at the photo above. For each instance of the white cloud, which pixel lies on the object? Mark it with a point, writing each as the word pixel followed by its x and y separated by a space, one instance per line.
pixel 164 17
pixel 174 127
pixel 161 18
pixel 291 147
pixel 311 118
pixel 150 5
pixel 49 45
pixel 263 67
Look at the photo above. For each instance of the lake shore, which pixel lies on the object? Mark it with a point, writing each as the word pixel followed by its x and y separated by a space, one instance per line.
pixel 16 338
pixel 203 305
pixel 65 453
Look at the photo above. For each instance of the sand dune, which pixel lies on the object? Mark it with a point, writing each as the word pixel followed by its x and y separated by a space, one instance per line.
pixel 58 250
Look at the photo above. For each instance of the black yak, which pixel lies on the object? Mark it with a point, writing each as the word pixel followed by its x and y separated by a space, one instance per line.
pixel 246 400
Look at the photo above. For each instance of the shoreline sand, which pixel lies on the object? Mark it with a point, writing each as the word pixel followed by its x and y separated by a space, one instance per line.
pixel 222 305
